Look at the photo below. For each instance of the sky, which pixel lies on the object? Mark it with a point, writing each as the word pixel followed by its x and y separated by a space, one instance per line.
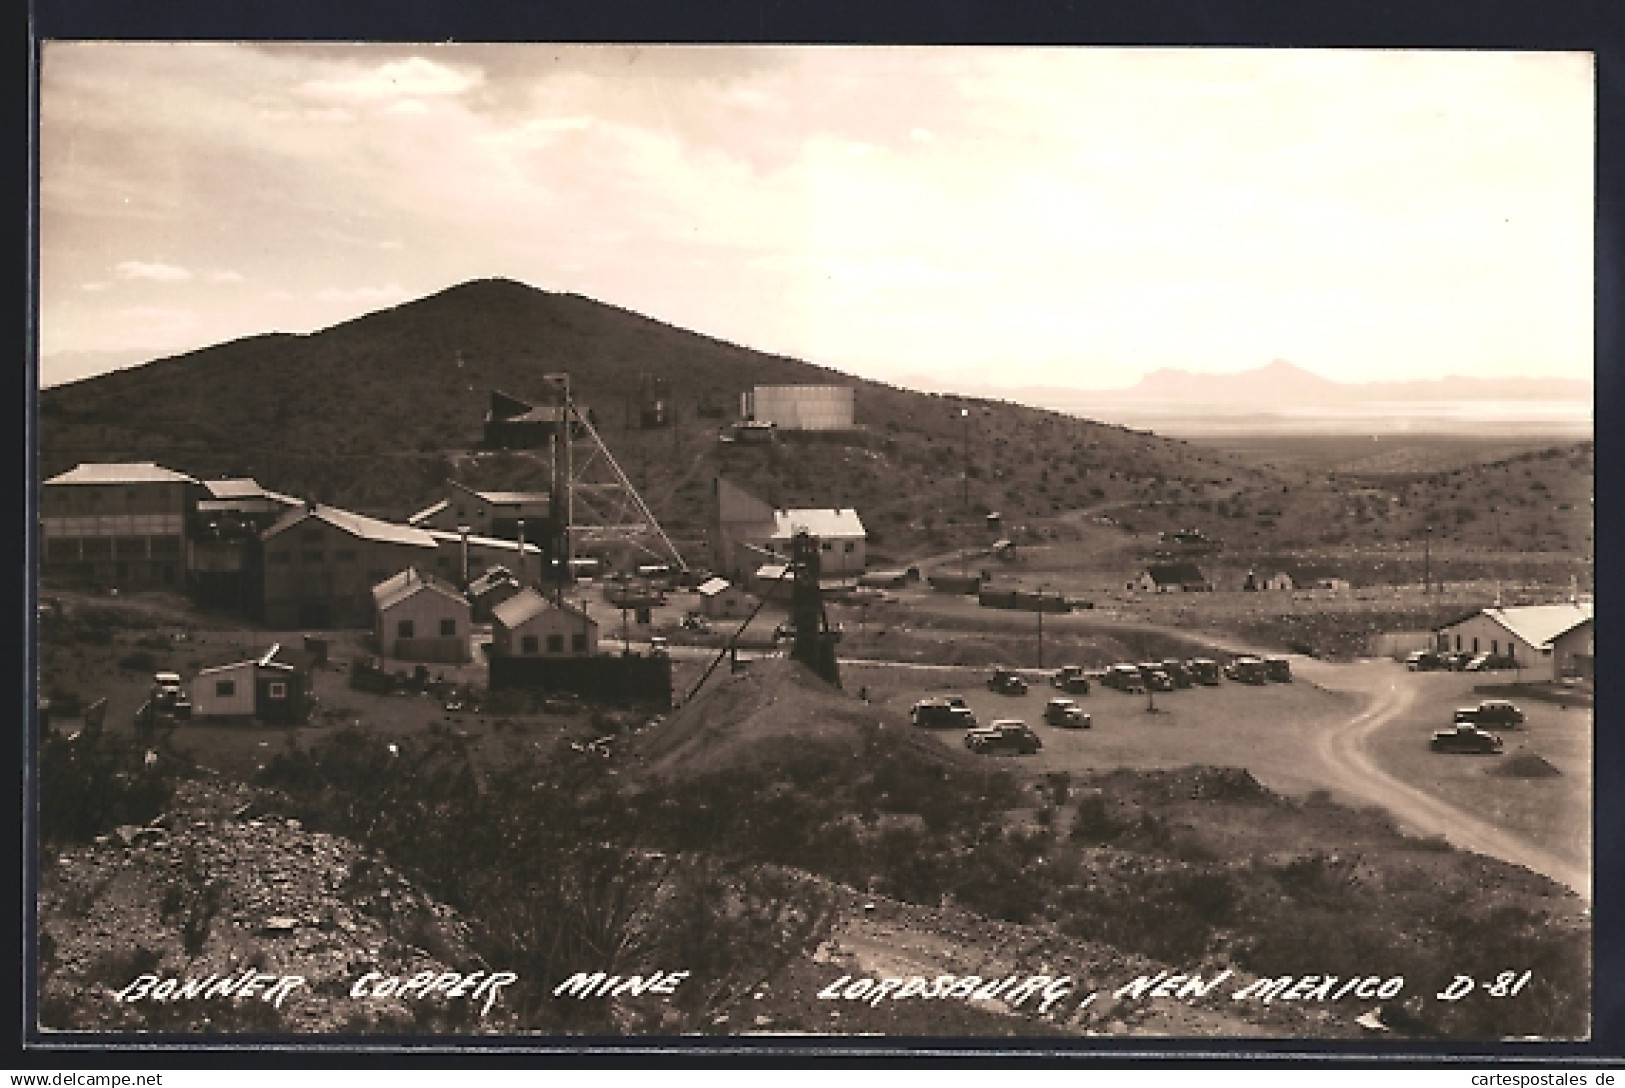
pixel 1003 218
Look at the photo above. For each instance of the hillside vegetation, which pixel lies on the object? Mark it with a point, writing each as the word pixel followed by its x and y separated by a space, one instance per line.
pixel 376 413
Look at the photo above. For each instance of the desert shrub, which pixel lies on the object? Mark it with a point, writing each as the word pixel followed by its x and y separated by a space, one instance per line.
pixel 138 661
pixel 95 782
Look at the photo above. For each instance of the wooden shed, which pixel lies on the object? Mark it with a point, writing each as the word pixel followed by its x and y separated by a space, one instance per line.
pixel 529 625
pixel 420 618
pixel 272 688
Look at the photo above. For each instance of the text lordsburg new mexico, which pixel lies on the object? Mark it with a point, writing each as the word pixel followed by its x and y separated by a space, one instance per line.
pixel 1043 994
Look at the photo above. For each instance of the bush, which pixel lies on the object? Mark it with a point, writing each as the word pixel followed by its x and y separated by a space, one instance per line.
pixel 138 661
pixel 95 782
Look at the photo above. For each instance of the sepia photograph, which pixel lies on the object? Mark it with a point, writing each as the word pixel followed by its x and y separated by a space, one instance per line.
pixel 1058 546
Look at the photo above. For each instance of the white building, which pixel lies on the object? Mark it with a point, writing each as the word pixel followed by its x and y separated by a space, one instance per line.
pixel 1524 633
pixel 721 599
pixel 842 539
pixel 801 407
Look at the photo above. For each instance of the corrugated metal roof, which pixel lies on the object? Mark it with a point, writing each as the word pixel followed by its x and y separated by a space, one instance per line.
pixel 427 512
pixel 1539 624
pixel 526 605
pixel 357 525
pixel 129 472
pixel 409 583
pixel 450 537
pixel 769 572
pixel 492 577
pixel 712 586
pixel 513 498
pixel 233 667
pixel 823 524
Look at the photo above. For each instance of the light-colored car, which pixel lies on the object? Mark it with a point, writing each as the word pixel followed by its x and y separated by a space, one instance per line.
pixel 1491 714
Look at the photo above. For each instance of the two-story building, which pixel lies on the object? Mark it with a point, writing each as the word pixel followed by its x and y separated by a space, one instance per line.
pixel 488 513
pixel 118 524
pixel 321 562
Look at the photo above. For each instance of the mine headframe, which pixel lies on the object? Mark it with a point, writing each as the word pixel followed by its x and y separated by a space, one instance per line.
pixel 814 644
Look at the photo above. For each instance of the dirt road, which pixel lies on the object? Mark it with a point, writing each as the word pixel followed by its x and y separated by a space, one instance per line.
pixel 1343 755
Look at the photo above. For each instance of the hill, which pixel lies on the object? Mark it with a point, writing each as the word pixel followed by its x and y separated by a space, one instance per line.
pixel 376 412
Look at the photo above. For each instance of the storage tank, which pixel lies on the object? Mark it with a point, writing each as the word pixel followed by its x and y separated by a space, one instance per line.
pixel 803 407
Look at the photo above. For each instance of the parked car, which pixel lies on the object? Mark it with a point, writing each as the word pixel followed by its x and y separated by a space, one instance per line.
pixel 168 697
pixel 1247 670
pixel 1066 714
pixel 1203 670
pixel 1424 661
pixel 1070 678
pixel 939 713
pixel 1005 682
pixel 1004 735
pixel 1278 669
pixel 1125 678
pixel 1491 714
pixel 696 622
pixel 1466 738
pixel 1155 679
pixel 1177 672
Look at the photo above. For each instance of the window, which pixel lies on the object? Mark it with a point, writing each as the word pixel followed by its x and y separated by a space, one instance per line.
pixel 276 689
pixel 1495 646
pixel 225 689
pixel 312 556
pixel 403 629
pixel 1458 641
pixel 824 545
pixel 848 547
pixel 448 628
pixel 578 643
pixel 555 644
pixel 345 555
pixel 1475 644
pixel 528 644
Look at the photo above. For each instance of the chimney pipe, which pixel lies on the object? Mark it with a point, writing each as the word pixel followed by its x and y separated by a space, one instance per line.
pixel 462 531
pixel 521 551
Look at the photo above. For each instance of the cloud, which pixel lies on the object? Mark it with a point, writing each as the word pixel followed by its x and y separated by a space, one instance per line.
pixel 225 276
pixel 409 78
pixel 408 106
pixel 94 285
pixel 151 270
pixel 921 135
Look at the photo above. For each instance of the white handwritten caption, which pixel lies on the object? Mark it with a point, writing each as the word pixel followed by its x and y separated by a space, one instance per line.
pixel 273 989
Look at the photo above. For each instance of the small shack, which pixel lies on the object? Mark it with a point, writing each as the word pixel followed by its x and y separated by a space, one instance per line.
pixel 419 618
pixel 529 625
pixel 272 688
pixel 720 599
pixel 1171 578
pixel 491 589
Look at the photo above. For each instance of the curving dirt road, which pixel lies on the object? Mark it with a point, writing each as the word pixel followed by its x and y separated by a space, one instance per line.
pixel 1342 752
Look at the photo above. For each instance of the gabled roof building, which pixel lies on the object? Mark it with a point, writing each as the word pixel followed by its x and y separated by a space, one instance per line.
pixel 321 562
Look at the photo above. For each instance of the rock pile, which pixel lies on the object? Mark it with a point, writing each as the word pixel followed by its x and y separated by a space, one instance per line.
pixel 221 884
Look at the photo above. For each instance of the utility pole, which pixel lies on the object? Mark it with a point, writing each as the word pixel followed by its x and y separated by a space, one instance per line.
pixel 964 497
pixel 1041 625
pixel 1427 561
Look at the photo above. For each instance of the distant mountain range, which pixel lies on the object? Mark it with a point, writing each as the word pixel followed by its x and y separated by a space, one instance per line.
pixel 1281 384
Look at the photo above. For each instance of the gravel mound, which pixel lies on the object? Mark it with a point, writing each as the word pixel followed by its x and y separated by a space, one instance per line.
pixel 1524 766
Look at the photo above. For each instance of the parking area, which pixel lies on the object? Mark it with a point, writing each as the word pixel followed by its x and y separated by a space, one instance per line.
pixel 1268 729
